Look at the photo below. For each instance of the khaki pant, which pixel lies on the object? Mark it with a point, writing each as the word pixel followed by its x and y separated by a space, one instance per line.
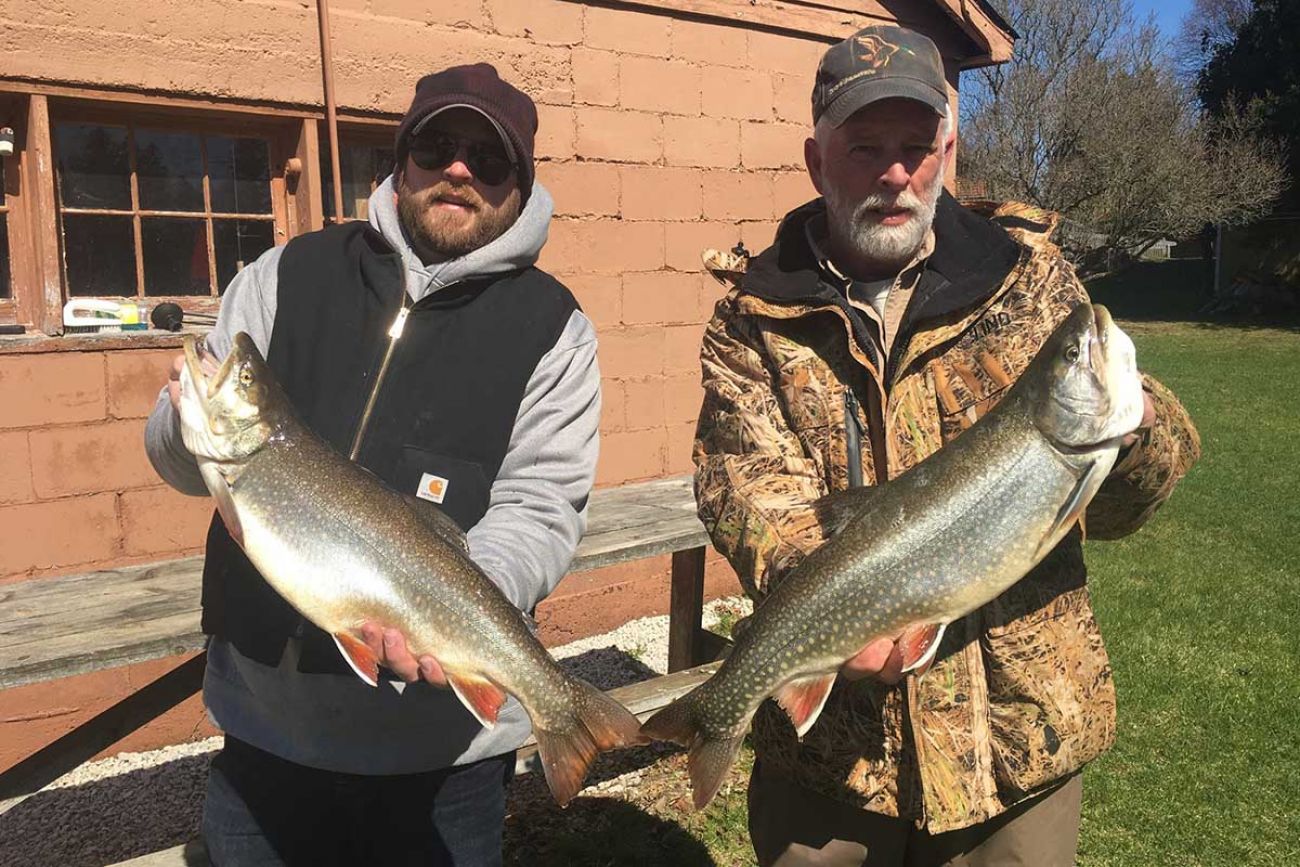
pixel 793 827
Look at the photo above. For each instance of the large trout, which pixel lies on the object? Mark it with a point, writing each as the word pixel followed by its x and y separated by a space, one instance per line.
pixel 917 553
pixel 343 549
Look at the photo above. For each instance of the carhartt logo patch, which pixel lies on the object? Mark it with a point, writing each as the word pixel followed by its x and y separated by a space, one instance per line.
pixel 432 488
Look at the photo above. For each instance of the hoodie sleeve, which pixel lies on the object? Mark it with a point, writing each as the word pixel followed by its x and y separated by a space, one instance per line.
pixel 247 305
pixel 537 511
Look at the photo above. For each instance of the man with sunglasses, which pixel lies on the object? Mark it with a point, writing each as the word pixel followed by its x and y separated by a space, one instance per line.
pixel 424 343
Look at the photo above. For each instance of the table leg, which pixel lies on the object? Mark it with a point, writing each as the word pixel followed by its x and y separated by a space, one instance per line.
pixel 686 609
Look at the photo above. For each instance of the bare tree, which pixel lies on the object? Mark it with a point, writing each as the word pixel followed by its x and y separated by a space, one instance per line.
pixel 1090 120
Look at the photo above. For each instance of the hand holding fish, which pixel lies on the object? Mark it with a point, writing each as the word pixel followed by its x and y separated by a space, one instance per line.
pixel 881 659
pixel 206 364
pixel 386 575
pixel 389 647
pixel 1148 419
pixel 924 549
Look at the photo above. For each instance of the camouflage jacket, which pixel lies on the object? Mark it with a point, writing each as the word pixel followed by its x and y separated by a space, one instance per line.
pixel 1021 693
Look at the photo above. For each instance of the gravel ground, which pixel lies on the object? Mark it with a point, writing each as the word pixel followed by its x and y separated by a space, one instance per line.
pixel 135 803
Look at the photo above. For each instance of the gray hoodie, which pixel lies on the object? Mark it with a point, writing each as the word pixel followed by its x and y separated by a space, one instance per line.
pixel 536 516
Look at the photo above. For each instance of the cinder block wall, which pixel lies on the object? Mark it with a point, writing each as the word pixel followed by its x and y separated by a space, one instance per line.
pixel 661 134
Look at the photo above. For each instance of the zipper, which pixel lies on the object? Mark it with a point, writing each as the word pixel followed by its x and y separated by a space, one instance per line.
pixel 853 438
pixel 394 334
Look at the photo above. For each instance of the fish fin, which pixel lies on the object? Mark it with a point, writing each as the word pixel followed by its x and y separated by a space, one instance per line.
pixel 599 723
pixel 920 643
pixel 481 697
pixel 835 511
pixel 360 657
pixel 803 700
pixel 709 759
pixel 708 764
pixel 438 521
pixel 219 487
pixel 1075 506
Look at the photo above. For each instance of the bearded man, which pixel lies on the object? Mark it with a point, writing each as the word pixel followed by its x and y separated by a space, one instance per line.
pixel 424 344
pixel 884 320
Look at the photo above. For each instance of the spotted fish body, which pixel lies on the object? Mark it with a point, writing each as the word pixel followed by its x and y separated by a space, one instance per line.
pixel 918 552
pixel 344 549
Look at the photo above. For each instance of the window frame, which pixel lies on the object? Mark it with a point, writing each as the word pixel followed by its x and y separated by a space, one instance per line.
pixel 38 287
pixel 276 132
pixel 366 134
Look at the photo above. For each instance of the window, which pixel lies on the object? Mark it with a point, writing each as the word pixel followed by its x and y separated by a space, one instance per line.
pixel 365 159
pixel 117 195
pixel 159 211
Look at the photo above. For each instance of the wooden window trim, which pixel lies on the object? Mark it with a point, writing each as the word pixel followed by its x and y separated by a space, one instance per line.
pixel 169 106
pixel 36 260
pixel 370 135
pixel 278 131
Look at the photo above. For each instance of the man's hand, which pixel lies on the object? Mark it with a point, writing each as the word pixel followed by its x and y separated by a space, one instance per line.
pixel 881 659
pixel 1148 419
pixel 206 364
pixel 389 645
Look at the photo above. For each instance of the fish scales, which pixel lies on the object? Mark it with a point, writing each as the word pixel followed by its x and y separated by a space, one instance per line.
pixel 317 524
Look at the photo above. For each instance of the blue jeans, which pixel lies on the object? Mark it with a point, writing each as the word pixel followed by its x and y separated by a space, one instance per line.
pixel 263 810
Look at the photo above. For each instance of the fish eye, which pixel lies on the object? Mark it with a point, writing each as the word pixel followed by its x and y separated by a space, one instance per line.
pixel 1072 353
pixel 245 375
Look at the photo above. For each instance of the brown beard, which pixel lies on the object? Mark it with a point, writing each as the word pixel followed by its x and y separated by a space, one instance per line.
pixel 447 236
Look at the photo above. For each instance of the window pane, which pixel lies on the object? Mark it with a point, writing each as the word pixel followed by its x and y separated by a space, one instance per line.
pixel 5 290
pixel 169 169
pixel 99 254
pixel 238 243
pixel 362 167
pixel 239 173
pixel 93 168
pixel 175 256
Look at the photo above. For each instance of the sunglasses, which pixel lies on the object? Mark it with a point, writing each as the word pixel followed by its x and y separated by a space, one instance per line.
pixel 488 163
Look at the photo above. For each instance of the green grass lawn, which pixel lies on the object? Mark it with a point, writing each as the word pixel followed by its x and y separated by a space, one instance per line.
pixel 1200 613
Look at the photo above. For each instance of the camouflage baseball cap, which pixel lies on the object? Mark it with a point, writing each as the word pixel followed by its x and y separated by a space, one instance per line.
pixel 878 63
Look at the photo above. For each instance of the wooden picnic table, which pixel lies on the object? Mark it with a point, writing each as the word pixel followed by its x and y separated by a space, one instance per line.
pixel 56 627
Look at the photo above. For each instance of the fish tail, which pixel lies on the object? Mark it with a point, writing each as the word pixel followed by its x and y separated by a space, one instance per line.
pixel 710 756
pixel 598 723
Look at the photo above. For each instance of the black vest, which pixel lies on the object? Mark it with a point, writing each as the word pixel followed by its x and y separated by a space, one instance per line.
pixel 446 407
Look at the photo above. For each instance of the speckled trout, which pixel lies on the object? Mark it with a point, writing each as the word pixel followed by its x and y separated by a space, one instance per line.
pixel 916 553
pixel 343 549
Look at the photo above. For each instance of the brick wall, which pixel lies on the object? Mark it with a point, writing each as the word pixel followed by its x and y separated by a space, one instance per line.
pixel 76 490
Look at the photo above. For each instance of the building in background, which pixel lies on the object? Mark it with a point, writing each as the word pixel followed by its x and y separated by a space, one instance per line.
pixel 162 145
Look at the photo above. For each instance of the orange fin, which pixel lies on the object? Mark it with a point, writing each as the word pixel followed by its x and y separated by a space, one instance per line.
pixel 919 644
pixel 804 699
pixel 598 723
pixel 481 697
pixel 359 656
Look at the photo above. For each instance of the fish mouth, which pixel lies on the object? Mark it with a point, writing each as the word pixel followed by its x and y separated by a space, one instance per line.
pixel 1101 321
pixel 205 387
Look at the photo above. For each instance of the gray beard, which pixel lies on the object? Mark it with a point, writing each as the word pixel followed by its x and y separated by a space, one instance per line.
pixel 892 246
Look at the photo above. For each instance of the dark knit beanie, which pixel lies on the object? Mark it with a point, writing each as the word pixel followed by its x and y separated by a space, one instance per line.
pixel 479 87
